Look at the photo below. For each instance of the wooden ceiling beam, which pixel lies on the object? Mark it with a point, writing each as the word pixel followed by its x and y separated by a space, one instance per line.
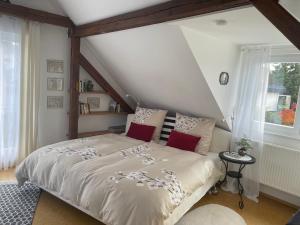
pixel 35 15
pixel 280 18
pixel 74 88
pixel 168 11
pixel 92 71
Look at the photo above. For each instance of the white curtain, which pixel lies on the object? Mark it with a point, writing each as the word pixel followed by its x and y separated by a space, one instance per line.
pixel 10 73
pixel 19 88
pixel 249 113
pixel 30 83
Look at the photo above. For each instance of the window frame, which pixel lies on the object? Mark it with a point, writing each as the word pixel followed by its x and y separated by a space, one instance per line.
pixel 286 55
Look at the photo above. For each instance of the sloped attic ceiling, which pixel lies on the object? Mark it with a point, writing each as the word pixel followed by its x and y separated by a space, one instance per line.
pixel 82 12
pixel 156 64
pixel 153 63
pixel 51 6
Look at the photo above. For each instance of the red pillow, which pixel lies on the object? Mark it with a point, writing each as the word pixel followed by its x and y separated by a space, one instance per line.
pixel 141 132
pixel 183 141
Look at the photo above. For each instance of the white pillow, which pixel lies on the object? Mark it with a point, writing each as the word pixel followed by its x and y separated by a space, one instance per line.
pixel 200 127
pixel 151 117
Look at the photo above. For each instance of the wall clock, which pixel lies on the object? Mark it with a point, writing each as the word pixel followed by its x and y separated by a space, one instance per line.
pixel 224 78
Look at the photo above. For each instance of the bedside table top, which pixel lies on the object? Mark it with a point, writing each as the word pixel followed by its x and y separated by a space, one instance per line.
pixel 247 159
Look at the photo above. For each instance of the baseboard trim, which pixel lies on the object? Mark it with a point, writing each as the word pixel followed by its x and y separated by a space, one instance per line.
pixel 280 196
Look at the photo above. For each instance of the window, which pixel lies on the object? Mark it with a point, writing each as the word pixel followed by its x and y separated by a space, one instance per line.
pixel 282 101
pixel 10 78
pixel 282 95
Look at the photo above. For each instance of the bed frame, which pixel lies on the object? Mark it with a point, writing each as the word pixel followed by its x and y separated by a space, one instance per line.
pixel 221 141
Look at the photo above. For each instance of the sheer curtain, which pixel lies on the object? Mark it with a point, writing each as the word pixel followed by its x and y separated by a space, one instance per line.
pixel 250 112
pixel 10 73
pixel 30 89
pixel 19 88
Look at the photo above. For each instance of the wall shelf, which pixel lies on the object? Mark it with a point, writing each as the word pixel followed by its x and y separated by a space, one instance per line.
pixel 100 113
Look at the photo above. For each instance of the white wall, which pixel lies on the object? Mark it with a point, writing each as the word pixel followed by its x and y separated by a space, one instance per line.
pixel 156 64
pixel 53 123
pixel 214 56
pixel 96 123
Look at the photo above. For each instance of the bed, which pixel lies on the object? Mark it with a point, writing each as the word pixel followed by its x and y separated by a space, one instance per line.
pixel 123 181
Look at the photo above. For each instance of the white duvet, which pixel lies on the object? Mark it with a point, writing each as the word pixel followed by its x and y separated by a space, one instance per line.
pixel 116 179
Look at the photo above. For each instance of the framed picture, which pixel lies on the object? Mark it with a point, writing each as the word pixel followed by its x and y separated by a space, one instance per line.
pixel 55 66
pixel 55 84
pixel 55 102
pixel 94 103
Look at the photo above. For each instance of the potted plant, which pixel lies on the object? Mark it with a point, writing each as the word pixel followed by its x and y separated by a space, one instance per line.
pixel 244 145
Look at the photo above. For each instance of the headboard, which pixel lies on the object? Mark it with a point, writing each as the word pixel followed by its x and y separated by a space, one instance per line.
pixel 220 141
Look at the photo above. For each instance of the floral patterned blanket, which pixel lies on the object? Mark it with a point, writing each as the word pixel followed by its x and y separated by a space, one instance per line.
pixel 118 180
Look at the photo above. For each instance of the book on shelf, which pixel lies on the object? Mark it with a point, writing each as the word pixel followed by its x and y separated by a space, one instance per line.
pixel 84 108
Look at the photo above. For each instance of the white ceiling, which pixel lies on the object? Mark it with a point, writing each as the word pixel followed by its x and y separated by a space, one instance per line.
pixel 293 6
pixel 245 26
pixel 51 6
pixel 91 10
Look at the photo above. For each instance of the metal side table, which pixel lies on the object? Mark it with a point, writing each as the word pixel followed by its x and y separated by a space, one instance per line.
pixel 242 161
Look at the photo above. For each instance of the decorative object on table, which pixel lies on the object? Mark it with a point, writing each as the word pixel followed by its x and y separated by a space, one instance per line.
pixel 55 66
pixel 94 103
pixel 55 102
pixel 231 157
pixel 212 214
pixel 112 106
pixel 84 108
pixel 18 204
pixel 244 145
pixel 224 78
pixel 135 99
pixel 55 84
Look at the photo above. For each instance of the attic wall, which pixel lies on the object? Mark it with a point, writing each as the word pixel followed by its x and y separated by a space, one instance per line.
pixel 214 56
pixel 53 123
pixel 96 123
pixel 156 64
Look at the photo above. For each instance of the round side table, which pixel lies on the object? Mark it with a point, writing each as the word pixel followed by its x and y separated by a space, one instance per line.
pixel 242 161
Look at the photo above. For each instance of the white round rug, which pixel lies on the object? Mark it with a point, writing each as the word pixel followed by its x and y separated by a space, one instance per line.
pixel 212 214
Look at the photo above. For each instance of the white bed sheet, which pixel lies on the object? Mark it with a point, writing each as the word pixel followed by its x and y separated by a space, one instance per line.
pixel 190 201
pixel 187 204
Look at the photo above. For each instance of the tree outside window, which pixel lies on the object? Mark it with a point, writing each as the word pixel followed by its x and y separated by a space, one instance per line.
pixel 282 96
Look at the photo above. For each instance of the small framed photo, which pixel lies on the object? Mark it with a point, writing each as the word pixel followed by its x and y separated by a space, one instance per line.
pixel 55 84
pixel 55 66
pixel 55 102
pixel 94 103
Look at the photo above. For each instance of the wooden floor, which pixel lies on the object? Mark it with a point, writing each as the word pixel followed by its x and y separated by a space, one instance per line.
pixel 51 210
